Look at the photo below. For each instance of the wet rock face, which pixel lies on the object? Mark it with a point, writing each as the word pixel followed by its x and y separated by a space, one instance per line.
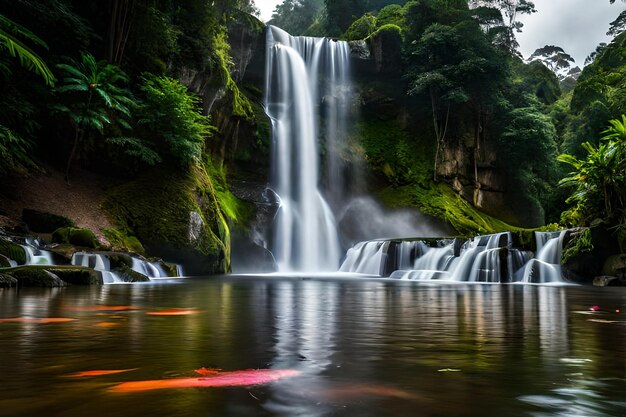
pixel 196 225
pixel 585 266
pixel 249 247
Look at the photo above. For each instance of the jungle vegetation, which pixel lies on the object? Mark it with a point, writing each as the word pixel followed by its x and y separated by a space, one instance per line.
pixel 105 86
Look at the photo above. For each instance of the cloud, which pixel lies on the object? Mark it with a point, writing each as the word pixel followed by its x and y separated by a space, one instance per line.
pixel 573 25
pixel 267 7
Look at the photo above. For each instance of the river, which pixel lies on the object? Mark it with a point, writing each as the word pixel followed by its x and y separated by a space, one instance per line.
pixel 353 346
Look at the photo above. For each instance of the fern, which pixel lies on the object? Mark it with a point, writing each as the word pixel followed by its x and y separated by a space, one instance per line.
pixel 9 33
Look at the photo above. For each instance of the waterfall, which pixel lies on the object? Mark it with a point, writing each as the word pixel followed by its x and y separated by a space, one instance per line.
pixel 546 266
pixel 302 74
pixel 98 262
pixel 488 258
pixel 365 258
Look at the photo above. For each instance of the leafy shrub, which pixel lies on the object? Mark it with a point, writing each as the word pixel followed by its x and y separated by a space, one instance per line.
pixel 173 115
pixel 363 27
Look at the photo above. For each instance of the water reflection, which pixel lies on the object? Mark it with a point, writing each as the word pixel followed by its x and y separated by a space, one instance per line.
pixel 363 348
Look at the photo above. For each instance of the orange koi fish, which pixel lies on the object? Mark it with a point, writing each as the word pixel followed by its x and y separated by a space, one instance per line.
pixel 107 324
pixel 37 320
pixel 225 379
pixel 174 312
pixel 99 372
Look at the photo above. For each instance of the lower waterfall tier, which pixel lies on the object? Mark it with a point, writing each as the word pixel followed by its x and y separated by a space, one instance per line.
pixel 491 258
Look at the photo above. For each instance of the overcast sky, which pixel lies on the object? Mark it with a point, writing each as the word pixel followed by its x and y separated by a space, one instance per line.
pixel 577 26
pixel 266 7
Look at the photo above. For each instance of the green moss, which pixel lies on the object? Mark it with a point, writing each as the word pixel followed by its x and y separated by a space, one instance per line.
pixel 388 32
pixel 35 276
pixel 31 275
pixel 402 157
pixel 120 241
pixel 156 208
pixel 241 106
pixel 76 236
pixel 361 28
pixel 263 126
pixel 12 251
pixel 443 202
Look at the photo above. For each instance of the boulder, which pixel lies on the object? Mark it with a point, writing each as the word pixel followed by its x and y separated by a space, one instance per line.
pixel 12 251
pixel 54 275
pixel 7 281
pixel 75 236
pixel 615 266
pixel 608 281
pixel 129 275
pixel 43 222
pixel 33 276
pixel 583 262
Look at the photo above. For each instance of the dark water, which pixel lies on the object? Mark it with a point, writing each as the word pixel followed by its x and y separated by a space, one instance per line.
pixel 363 347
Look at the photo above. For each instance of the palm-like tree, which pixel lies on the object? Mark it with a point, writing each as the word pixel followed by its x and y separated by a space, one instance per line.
pixel 601 176
pixel 94 98
pixel 10 42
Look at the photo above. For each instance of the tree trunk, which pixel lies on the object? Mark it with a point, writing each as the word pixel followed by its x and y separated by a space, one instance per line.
pixel 119 29
pixel 77 136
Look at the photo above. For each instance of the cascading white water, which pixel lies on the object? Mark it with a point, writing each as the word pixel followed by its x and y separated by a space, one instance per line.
pixel 305 233
pixel 35 256
pixel 98 262
pixel 546 266
pixel 365 258
pixel 484 259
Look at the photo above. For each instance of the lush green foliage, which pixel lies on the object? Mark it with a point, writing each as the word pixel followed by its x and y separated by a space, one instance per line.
pixel 92 98
pixel 296 16
pixel 15 152
pixel 599 180
pixel 173 115
pixel 11 35
pixel 361 28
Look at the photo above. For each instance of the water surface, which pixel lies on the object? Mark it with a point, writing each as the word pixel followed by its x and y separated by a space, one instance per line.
pixel 362 347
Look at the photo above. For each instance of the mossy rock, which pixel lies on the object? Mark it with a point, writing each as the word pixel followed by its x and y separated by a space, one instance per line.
pixel 12 251
pixel 35 276
pixel 75 236
pixel 615 266
pixel 4 261
pixel 129 275
pixel 7 281
pixel 64 251
pixel 43 222
pixel 78 275
pixel 176 216
pixel 29 275
pixel 121 242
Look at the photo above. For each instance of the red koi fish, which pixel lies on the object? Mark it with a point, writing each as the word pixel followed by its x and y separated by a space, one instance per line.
pixel 224 379
pixel 37 320
pixel 99 372
pixel 174 312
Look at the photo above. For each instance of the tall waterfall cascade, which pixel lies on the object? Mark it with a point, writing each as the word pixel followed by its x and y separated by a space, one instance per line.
pixel 306 77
